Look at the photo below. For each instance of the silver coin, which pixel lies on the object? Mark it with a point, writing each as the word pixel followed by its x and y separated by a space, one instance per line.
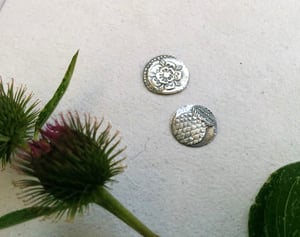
pixel 165 75
pixel 194 125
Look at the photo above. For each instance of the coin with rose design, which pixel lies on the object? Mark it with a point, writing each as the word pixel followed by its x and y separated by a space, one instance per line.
pixel 165 75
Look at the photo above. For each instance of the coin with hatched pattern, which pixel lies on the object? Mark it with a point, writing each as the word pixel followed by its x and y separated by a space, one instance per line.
pixel 194 125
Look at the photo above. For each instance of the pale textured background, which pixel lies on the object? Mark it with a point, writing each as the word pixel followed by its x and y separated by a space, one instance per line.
pixel 244 62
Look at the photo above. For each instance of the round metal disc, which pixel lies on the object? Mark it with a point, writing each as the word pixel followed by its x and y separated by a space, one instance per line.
pixel 165 75
pixel 194 125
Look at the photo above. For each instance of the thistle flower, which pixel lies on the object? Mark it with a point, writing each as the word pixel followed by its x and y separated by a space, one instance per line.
pixel 17 120
pixel 70 167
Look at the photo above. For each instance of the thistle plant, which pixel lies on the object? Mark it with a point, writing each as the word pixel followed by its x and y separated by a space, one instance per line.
pixel 20 120
pixel 66 165
pixel 17 120
pixel 70 167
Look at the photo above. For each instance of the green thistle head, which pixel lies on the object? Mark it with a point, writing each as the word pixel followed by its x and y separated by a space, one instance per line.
pixel 17 120
pixel 69 164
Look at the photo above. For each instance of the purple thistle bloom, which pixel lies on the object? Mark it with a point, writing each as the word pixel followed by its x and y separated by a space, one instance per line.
pixel 68 165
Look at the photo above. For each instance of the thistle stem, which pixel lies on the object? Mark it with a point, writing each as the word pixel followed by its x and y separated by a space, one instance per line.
pixel 23 215
pixel 106 200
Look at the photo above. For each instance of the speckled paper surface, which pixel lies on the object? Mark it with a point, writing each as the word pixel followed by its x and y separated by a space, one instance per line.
pixel 244 64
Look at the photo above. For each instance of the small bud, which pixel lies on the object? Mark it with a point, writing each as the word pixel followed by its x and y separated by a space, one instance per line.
pixel 17 120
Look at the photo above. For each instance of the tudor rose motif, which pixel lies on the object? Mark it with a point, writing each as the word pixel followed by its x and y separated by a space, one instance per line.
pixel 165 75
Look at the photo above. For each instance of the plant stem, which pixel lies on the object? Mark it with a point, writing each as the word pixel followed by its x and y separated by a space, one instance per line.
pixel 23 215
pixel 111 204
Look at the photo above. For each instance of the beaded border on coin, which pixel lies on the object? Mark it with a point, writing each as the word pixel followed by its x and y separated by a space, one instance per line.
pixel 165 75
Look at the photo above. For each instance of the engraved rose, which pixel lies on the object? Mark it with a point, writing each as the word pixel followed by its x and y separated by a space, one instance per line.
pixel 168 75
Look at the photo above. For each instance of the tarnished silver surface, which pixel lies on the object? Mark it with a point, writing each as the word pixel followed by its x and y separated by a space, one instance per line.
pixel 165 75
pixel 194 125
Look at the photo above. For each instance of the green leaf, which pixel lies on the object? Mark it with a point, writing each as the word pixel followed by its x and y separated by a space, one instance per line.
pixel 23 215
pixel 276 211
pixel 256 215
pixel 272 218
pixel 292 211
pixel 53 102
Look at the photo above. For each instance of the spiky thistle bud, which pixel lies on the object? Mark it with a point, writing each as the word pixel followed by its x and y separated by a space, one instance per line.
pixel 17 119
pixel 69 168
pixel 69 164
